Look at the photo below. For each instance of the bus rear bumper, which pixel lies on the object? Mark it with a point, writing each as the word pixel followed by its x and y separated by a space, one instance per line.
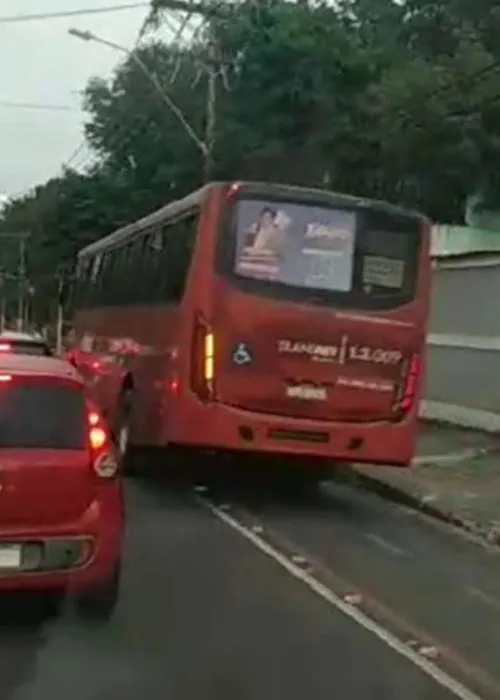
pixel 218 426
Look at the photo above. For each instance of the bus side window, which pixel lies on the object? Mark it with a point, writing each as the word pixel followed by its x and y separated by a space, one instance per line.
pixel 87 285
pixel 155 242
pixel 103 288
pixel 93 294
pixel 81 282
pixel 132 272
pixel 147 290
pixel 125 275
pixel 179 238
pixel 117 278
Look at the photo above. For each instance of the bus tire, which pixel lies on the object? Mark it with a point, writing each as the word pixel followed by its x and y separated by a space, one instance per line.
pixel 126 451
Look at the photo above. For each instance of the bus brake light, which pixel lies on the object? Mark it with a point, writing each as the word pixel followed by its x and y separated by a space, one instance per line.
pixel 203 362
pixel 234 190
pixel 208 358
pixel 410 386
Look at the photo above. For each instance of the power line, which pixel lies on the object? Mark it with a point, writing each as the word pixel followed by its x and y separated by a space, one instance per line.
pixel 74 155
pixel 124 131
pixel 75 160
pixel 84 145
pixel 37 105
pixel 11 19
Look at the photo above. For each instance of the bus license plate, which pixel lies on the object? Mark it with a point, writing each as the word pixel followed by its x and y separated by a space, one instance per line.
pixel 10 556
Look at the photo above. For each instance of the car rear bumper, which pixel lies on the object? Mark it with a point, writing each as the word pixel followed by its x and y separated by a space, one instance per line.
pixel 217 426
pixel 95 540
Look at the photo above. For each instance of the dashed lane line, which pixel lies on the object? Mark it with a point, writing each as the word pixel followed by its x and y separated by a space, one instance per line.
pixel 384 544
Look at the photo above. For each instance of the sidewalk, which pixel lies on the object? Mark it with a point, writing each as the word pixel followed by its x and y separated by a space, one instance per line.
pixel 456 477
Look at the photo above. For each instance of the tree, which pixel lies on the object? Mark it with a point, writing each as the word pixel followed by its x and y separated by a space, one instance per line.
pixel 397 100
pixel 140 142
pixel 371 96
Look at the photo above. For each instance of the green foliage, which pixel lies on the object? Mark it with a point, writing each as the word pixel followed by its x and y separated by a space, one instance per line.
pixel 398 100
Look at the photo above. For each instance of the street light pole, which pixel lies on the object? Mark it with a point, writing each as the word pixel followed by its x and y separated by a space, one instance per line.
pixel 152 78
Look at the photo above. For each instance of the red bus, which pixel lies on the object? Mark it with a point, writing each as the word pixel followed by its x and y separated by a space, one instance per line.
pixel 260 318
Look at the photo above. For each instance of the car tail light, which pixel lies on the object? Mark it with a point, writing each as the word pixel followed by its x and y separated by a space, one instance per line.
pixel 408 392
pixel 97 438
pixel 5 378
pixel 5 347
pixel 203 360
pixel 104 462
pixel 94 418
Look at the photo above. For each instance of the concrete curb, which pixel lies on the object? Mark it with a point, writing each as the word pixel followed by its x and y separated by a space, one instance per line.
pixel 459 416
pixel 444 460
pixel 420 503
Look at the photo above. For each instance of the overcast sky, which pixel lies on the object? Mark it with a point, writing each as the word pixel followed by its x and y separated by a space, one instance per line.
pixel 41 63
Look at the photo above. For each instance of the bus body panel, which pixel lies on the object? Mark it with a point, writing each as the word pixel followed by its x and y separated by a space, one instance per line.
pixel 131 348
pixel 144 346
pixel 320 380
pixel 215 426
pixel 310 364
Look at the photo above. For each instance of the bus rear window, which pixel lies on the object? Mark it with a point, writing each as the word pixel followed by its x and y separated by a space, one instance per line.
pixel 360 257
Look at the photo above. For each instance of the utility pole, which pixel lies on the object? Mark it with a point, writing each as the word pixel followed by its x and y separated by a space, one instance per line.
pixel 64 279
pixel 205 144
pixel 21 280
pixel 28 307
pixel 2 301
pixel 21 277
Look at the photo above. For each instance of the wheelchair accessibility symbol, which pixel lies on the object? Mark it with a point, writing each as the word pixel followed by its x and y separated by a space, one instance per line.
pixel 242 354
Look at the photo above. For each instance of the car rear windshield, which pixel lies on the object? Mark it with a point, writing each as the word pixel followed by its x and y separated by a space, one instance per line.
pixel 41 414
pixel 19 347
pixel 364 258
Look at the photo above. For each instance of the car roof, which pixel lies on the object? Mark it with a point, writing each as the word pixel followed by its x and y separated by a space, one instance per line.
pixel 38 366
pixel 23 337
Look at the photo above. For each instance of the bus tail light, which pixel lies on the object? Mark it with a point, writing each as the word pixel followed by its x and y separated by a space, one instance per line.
pixel 203 363
pixel 234 190
pixel 409 386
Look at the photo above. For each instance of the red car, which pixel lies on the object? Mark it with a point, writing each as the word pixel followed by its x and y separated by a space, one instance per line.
pixel 61 498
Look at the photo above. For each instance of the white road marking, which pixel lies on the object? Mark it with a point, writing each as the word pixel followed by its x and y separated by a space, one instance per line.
pixel 485 598
pixel 449 458
pixel 385 544
pixel 424 664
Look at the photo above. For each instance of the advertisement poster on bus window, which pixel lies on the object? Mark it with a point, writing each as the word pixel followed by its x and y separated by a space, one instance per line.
pixel 296 244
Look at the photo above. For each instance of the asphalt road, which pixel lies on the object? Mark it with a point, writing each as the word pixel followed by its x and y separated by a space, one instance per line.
pixel 419 579
pixel 204 614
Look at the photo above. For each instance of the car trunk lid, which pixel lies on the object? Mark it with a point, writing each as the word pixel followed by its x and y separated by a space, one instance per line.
pixel 45 475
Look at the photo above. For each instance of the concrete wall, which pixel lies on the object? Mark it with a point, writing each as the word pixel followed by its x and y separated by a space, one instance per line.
pixel 463 360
